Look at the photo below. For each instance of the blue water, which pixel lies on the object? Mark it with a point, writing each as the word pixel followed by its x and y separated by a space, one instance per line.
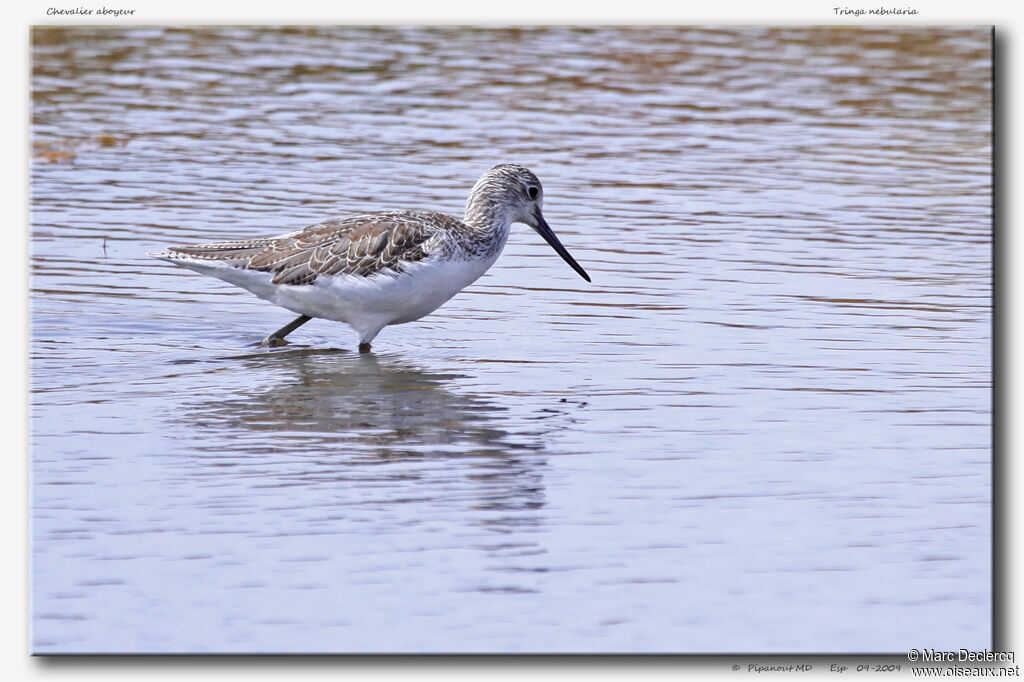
pixel 764 427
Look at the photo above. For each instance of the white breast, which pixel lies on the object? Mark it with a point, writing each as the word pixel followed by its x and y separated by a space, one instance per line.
pixel 367 304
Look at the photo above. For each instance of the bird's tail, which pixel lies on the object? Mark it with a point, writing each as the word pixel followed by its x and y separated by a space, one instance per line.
pixel 235 251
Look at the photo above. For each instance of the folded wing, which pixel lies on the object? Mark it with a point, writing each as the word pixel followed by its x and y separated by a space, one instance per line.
pixel 359 246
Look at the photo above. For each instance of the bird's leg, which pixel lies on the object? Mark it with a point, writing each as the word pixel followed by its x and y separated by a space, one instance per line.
pixel 277 338
pixel 366 337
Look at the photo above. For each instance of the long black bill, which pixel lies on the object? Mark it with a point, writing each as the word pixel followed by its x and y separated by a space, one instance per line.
pixel 544 231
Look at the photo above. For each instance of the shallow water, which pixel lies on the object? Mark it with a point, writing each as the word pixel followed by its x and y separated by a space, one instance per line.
pixel 764 427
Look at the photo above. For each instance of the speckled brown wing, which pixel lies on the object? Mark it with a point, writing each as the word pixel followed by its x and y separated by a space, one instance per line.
pixel 361 246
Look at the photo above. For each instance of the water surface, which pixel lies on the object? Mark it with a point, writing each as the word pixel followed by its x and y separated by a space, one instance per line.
pixel 765 427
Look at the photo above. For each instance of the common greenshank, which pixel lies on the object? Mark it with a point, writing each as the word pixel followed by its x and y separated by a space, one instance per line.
pixel 378 269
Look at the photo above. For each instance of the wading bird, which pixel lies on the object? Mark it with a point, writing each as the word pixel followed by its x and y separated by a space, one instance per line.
pixel 378 269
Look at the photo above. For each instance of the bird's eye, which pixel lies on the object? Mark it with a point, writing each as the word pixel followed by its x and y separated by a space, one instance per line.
pixel 533 192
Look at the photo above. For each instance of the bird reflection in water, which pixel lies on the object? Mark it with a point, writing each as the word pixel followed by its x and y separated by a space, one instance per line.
pixel 325 415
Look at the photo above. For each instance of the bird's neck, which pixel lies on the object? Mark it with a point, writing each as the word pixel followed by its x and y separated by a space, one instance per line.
pixel 488 216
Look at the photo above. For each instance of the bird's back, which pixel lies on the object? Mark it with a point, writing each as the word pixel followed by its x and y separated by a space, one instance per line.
pixel 361 246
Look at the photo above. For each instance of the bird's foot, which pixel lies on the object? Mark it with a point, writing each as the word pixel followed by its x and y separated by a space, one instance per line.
pixel 272 342
pixel 277 338
pixel 364 348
